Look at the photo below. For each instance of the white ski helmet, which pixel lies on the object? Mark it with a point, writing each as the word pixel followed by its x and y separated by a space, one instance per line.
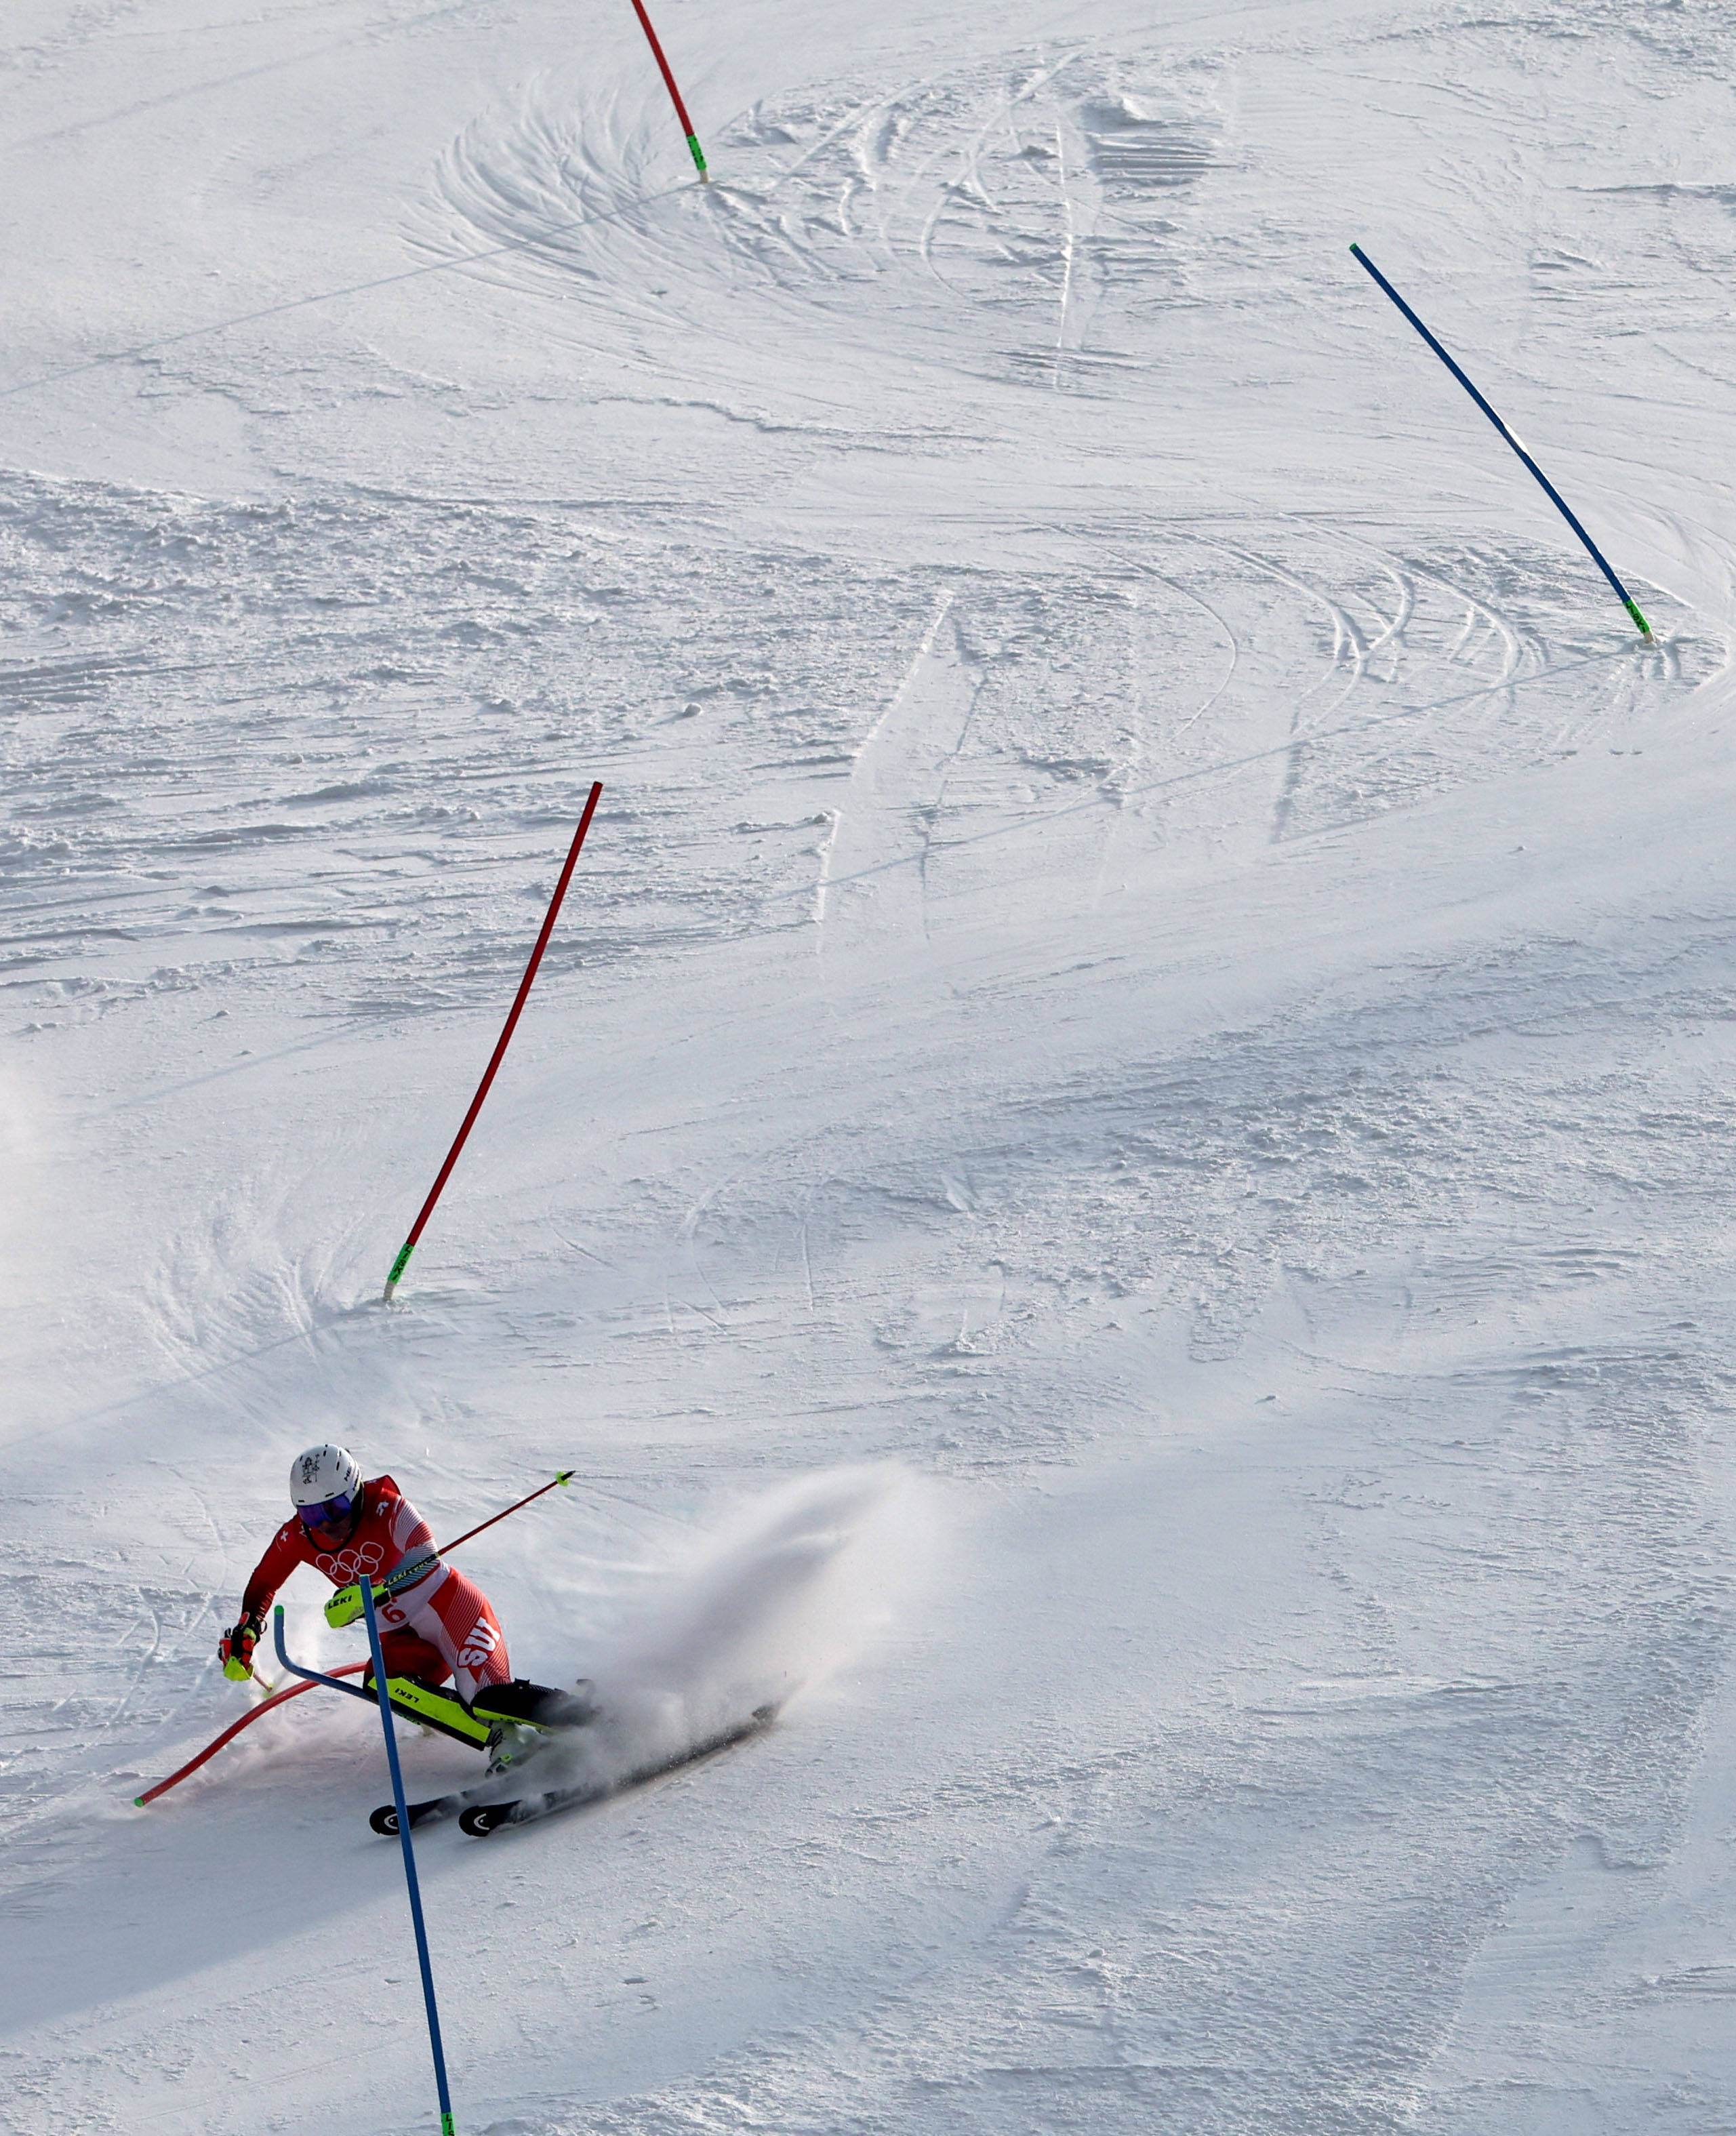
pixel 324 1472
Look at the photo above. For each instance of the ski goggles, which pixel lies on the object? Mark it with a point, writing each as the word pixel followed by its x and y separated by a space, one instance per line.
pixel 328 1513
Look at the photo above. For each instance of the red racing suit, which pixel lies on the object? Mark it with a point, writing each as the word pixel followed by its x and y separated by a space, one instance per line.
pixel 440 1625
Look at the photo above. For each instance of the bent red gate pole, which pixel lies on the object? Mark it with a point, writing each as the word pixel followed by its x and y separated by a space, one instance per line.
pixel 233 1729
pixel 674 95
pixel 506 1039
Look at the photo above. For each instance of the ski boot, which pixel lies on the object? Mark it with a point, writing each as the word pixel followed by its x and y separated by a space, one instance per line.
pixel 535 1705
pixel 433 1707
pixel 510 1742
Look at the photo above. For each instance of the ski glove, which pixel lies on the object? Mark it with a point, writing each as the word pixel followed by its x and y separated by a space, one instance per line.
pixel 344 1606
pixel 234 1650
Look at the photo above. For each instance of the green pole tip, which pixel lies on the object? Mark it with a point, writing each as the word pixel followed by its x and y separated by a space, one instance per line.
pixel 567 1476
pixel 402 1262
pixel 138 1802
pixel 446 2125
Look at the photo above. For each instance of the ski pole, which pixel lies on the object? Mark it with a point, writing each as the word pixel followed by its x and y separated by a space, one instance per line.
pixel 674 95
pixel 410 1860
pixel 317 1675
pixel 482 1089
pixel 565 1476
pixel 406 1575
pixel 1548 488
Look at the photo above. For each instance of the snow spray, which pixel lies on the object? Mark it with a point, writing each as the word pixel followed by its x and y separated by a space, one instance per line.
pixel 1548 487
pixel 410 1853
pixel 767 1607
pixel 694 149
pixel 506 1039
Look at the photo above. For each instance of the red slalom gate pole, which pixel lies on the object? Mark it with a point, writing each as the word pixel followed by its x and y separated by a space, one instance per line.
pixel 505 1038
pixel 674 95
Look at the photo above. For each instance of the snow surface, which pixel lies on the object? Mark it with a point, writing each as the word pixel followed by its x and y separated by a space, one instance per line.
pixel 1141 1049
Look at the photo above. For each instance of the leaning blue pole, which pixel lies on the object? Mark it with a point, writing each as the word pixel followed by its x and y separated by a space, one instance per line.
pixel 1548 487
pixel 409 1856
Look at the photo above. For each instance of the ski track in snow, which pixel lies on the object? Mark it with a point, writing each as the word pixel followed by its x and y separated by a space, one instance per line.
pixel 1139 1055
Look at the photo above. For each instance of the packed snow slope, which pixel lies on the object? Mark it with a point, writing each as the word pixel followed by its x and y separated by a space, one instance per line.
pixel 1121 1164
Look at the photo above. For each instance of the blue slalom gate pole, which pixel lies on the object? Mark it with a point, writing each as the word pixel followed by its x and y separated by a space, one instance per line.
pixel 1548 488
pixel 409 1855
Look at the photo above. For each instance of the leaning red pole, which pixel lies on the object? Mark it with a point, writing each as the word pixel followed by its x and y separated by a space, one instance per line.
pixel 674 95
pixel 505 1038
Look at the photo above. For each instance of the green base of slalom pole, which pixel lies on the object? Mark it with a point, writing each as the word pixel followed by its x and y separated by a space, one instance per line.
pixel 1634 611
pixel 399 1266
pixel 699 158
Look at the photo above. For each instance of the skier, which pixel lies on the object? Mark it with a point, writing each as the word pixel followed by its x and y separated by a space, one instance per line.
pixel 437 1626
pixel 440 1625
